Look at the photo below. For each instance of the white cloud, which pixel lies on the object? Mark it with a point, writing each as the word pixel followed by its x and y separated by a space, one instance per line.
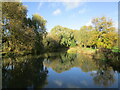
pixel 71 5
pixel 56 12
pixel 67 3
pixel 39 5
pixel 54 4
pixel 59 83
pixel 82 11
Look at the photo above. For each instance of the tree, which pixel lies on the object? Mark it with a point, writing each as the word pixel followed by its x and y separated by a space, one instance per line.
pixel 51 42
pixel 83 35
pixel 65 35
pixel 14 30
pixel 39 23
pixel 19 32
pixel 106 35
pixel 40 31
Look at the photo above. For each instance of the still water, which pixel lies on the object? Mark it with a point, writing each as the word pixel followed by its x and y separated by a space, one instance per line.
pixel 59 70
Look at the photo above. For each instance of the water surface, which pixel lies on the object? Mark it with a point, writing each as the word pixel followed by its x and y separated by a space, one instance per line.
pixel 59 70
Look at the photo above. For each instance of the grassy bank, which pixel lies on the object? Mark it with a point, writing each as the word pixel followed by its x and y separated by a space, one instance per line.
pixel 88 51
pixel 116 50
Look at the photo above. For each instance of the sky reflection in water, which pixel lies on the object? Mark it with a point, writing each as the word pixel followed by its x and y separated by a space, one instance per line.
pixel 58 70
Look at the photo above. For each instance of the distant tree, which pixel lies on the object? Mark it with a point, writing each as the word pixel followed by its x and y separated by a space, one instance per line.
pixel 65 35
pixel 83 35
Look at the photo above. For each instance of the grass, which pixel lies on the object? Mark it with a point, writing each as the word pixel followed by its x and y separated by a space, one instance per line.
pixel 81 50
pixel 115 49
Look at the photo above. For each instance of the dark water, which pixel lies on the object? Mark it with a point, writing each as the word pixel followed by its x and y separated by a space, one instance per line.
pixel 59 70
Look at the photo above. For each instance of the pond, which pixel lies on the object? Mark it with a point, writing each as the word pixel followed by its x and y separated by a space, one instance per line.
pixel 58 70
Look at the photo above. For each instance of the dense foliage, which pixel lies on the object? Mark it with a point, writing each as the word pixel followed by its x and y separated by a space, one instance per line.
pixel 19 32
pixel 101 34
pixel 28 35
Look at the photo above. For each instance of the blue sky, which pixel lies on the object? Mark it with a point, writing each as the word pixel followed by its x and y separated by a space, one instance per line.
pixel 72 14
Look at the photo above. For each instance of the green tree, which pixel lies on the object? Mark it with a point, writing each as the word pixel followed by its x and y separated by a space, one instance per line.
pixel 51 42
pixel 19 32
pixel 65 36
pixel 14 31
pixel 83 35
pixel 106 35
pixel 40 31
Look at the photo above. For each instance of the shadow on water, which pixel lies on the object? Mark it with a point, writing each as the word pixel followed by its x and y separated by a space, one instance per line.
pixel 22 72
pixel 32 71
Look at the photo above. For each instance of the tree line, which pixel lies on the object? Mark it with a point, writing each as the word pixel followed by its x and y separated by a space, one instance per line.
pixel 101 34
pixel 21 34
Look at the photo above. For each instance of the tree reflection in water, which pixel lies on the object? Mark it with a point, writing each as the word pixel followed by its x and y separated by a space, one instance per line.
pixel 61 63
pixel 107 65
pixel 24 72
pixel 104 75
pixel 32 71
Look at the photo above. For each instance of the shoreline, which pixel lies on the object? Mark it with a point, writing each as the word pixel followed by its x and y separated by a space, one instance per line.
pixel 87 51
